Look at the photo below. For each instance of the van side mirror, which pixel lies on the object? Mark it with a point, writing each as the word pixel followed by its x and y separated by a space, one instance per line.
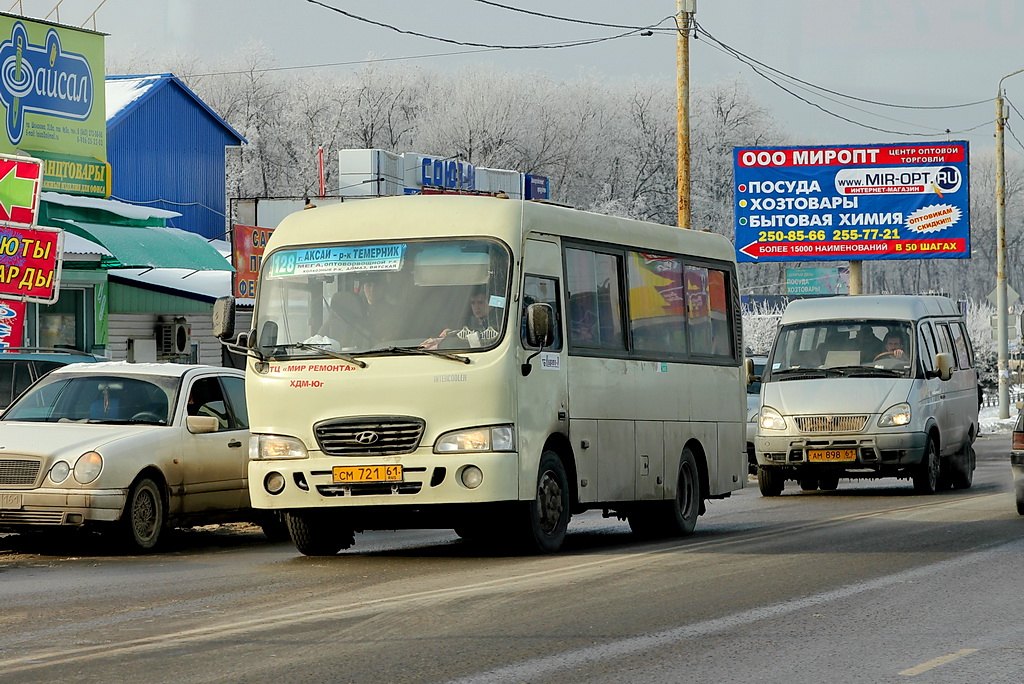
pixel 748 366
pixel 223 317
pixel 539 332
pixel 944 366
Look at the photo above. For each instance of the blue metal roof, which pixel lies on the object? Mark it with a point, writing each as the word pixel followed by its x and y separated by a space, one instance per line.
pixel 166 150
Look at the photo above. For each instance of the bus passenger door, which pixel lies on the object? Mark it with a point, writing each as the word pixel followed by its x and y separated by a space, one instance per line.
pixel 542 403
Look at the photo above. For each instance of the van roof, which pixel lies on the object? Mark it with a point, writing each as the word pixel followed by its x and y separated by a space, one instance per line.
pixel 893 307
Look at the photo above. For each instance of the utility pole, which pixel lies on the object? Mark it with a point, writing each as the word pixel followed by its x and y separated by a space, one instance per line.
pixel 685 9
pixel 1002 313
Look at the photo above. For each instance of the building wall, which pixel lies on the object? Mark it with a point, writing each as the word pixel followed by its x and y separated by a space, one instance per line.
pixel 143 326
pixel 169 149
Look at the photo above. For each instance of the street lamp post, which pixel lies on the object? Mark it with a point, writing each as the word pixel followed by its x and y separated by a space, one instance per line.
pixel 1002 336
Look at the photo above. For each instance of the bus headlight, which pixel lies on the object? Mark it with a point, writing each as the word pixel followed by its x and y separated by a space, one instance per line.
pixel 770 419
pixel 271 447
pixel 895 416
pixel 493 438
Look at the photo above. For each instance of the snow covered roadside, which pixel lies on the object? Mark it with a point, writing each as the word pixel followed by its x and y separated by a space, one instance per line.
pixel 991 423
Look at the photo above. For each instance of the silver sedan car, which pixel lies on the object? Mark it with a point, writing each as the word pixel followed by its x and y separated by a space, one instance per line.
pixel 127 448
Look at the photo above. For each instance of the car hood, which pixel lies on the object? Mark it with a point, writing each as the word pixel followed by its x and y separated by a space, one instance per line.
pixel 823 396
pixel 62 439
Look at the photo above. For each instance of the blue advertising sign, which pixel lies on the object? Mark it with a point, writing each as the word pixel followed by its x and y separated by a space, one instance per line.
pixel 332 260
pixel 852 202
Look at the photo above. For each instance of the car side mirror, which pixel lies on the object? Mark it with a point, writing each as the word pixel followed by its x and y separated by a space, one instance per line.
pixel 748 366
pixel 944 366
pixel 200 425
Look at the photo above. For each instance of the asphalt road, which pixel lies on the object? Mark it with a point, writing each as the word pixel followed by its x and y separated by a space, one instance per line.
pixel 870 583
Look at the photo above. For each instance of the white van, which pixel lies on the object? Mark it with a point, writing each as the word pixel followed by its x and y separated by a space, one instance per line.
pixel 868 387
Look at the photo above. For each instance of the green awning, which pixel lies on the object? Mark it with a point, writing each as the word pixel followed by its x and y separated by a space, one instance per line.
pixel 149 247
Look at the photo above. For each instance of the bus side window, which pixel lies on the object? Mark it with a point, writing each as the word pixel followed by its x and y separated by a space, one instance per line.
pixel 540 290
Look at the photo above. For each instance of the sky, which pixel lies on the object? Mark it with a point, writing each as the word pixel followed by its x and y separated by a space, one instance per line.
pixel 909 52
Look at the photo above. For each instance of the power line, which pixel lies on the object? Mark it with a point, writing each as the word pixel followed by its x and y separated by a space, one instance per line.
pixel 452 41
pixel 573 20
pixel 746 58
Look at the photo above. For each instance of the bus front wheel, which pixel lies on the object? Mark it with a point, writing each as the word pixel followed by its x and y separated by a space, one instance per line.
pixel 547 516
pixel 318 533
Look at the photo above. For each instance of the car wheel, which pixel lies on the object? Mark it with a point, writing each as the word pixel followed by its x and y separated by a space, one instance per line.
pixel 829 483
pixel 318 533
pixel 547 516
pixel 963 468
pixel 145 516
pixel 274 526
pixel 809 484
pixel 926 475
pixel 770 481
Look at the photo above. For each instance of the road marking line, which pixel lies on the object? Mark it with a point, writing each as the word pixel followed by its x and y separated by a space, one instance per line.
pixel 937 662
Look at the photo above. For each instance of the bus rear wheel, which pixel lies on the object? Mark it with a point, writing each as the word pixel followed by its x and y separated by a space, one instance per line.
pixel 318 533
pixel 547 516
pixel 675 518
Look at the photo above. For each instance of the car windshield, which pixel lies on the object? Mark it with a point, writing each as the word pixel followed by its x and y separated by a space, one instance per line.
pixel 846 348
pixel 382 298
pixel 108 399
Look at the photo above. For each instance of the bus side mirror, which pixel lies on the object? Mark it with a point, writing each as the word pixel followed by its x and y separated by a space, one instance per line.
pixel 539 332
pixel 224 317
pixel 748 365
pixel 944 365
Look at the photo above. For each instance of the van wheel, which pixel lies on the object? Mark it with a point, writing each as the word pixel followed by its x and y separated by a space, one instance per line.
pixel 829 483
pixel 1020 500
pixel 770 481
pixel 318 533
pixel 809 484
pixel 547 516
pixel 963 468
pixel 926 475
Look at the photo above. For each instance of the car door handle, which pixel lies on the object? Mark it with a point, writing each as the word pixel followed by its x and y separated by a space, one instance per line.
pixel 234 443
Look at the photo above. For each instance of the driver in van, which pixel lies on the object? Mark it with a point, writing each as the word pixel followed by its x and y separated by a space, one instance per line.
pixel 893 347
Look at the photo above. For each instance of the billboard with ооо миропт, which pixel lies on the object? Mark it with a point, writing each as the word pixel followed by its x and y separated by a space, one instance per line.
pixel 852 202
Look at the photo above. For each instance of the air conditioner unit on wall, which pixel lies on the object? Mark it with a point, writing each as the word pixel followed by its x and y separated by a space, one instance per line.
pixel 173 337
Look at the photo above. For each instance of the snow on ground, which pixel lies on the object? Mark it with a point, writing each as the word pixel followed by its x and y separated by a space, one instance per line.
pixel 991 423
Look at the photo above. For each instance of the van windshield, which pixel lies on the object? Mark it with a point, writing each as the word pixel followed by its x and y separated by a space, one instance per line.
pixel 845 348
pixel 383 298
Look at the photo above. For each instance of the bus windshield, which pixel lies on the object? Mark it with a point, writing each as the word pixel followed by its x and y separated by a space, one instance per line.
pixel 383 297
pixel 849 348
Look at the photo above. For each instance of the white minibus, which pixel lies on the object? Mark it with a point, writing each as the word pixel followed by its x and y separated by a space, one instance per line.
pixel 491 366
pixel 868 387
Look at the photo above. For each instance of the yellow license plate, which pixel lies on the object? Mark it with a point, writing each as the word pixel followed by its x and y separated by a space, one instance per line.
pixel 831 455
pixel 370 473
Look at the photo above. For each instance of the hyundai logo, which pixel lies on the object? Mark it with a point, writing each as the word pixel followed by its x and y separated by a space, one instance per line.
pixel 367 437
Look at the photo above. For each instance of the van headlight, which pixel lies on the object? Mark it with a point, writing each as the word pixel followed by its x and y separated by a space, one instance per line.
pixel 493 438
pixel 895 416
pixel 770 419
pixel 273 447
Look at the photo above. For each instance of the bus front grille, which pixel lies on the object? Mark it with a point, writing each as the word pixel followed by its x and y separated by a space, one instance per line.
pixel 369 436
pixel 831 423
pixel 20 472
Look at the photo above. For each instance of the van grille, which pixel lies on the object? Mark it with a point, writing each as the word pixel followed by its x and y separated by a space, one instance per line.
pixel 831 423
pixel 18 472
pixel 369 436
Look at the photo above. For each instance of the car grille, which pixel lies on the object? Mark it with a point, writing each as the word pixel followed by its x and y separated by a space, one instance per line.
pixel 373 437
pixel 18 472
pixel 831 423
pixel 31 518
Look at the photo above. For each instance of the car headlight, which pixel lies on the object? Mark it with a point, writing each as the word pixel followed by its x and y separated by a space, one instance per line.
pixel 493 438
pixel 770 419
pixel 895 416
pixel 271 447
pixel 59 472
pixel 88 467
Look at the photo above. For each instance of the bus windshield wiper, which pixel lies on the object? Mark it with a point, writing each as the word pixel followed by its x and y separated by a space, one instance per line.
pixel 320 348
pixel 421 351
